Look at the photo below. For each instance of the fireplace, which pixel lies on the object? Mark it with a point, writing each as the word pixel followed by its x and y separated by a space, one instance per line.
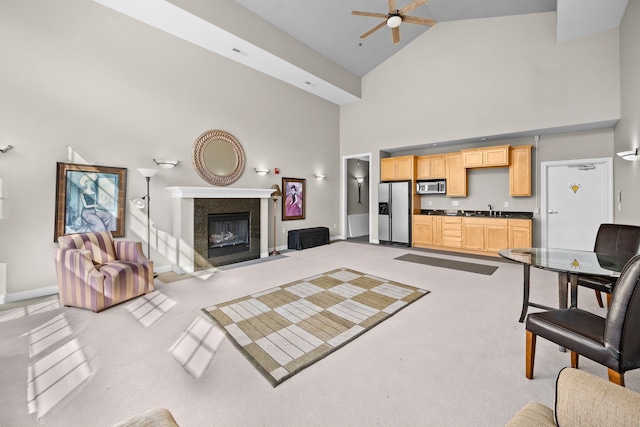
pixel 228 233
pixel 225 231
pixel 190 214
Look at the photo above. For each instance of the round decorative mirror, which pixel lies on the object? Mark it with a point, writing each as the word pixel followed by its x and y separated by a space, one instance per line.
pixel 218 157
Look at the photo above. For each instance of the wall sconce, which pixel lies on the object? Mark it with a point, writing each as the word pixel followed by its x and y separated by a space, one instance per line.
pixel 166 164
pixel 5 149
pixel 262 172
pixel 319 175
pixel 359 181
pixel 629 155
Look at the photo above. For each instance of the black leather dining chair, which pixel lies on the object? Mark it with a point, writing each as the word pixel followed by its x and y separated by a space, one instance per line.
pixel 613 341
pixel 611 239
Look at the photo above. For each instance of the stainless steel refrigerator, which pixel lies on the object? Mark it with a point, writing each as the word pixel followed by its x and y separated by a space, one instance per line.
pixel 394 213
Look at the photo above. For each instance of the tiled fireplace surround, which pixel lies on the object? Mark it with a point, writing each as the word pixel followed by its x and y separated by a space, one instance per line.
pixel 190 206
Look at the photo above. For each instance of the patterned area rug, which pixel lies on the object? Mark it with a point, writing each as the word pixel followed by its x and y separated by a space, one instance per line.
pixel 285 329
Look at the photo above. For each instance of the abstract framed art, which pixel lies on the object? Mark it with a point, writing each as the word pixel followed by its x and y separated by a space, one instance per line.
pixel 89 198
pixel 293 203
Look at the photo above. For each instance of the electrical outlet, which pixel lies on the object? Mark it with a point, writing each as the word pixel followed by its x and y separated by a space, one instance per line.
pixel 506 204
pixel 455 203
pixel 334 225
pixel 284 230
pixel 430 203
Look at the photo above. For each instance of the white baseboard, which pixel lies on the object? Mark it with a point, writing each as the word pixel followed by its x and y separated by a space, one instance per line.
pixel 34 293
pixel 162 268
pixel 52 290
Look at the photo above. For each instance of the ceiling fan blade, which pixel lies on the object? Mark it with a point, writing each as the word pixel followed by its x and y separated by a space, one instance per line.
pixel 396 34
pixel 411 6
pixel 418 20
pixel 375 15
pixel 392 6
pixel 374 29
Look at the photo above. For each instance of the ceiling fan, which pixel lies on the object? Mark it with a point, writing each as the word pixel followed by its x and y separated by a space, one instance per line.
pixel 395 17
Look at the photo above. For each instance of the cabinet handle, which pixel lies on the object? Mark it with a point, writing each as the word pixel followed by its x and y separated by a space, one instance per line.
pixel 551 212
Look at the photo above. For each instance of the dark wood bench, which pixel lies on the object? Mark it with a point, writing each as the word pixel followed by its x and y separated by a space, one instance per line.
pixel 308 238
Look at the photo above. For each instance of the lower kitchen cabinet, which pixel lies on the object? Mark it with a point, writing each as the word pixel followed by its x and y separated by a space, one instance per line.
pixel 452 231
pixel 471 234
pixel 485 234
pixel 520 233
pixel 422 230
pixel 427 230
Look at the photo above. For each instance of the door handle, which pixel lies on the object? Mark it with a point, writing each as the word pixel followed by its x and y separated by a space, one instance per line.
pixel 551 212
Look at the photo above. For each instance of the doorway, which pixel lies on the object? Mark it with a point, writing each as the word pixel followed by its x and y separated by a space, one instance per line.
pixel 356 197
pixel 577 197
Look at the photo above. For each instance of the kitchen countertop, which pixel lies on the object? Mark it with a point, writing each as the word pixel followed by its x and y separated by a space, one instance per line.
pixel 480 214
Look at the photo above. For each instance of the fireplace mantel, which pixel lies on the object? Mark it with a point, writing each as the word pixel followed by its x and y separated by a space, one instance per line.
pixel 219 193
pixel 183 225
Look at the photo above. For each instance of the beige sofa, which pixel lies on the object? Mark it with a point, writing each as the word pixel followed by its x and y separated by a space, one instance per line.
pixel 583 400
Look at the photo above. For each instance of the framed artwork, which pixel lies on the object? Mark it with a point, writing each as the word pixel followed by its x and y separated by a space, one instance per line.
pixel 293 202
pixel 89 198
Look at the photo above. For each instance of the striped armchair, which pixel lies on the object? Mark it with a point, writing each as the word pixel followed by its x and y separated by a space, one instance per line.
pixel 96 272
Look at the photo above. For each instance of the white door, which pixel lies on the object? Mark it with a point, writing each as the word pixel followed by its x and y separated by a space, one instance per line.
pixel 577 197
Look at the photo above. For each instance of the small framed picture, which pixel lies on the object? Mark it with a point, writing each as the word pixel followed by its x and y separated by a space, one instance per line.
pixel 89 198
pixel 293 203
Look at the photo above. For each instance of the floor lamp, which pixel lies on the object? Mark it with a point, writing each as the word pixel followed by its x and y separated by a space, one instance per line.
pixel 274 196
pixel 146 200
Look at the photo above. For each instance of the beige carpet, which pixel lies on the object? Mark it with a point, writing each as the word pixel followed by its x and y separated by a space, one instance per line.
pixel 453 358
pixel 287 328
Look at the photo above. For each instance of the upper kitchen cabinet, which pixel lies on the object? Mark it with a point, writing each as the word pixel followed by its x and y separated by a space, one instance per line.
pixel 520 171
pixel 397 168
pixel 486 157
pixel 431 167
pixel 456 176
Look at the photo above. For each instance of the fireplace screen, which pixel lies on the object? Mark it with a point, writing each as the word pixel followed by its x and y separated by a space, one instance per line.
pixel 228 233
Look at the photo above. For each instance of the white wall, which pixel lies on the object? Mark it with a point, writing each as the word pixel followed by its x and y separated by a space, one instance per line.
pixel 119 93
pixel 627 135
pixel 484 77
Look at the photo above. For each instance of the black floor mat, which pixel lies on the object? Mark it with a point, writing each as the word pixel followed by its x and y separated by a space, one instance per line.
pixel 447 263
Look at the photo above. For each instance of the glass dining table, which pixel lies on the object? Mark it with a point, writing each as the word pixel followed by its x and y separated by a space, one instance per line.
pixel 569 264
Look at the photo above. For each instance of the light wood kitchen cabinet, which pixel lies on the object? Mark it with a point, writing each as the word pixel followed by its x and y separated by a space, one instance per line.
pixel 397 168
pixel 520 171
pixel 486 157
pixel 456 176
pixel 478 235
pixel 452 231
pixel 485 234
pixel 473 236
pixel 422 230
pixel 437 230
pixel 430 167
pixel 519 233
pixel 427 230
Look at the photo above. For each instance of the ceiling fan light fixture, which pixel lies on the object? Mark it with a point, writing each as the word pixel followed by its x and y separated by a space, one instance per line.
pixel 394 21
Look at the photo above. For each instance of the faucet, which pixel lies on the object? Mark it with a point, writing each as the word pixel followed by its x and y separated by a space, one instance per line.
pixel 490 210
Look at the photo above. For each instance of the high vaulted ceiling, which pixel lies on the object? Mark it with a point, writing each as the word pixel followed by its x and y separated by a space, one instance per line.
pixel 331 29
pixel 315 45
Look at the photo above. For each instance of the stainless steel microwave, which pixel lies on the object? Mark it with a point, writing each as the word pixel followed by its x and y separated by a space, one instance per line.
pixel 436 186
